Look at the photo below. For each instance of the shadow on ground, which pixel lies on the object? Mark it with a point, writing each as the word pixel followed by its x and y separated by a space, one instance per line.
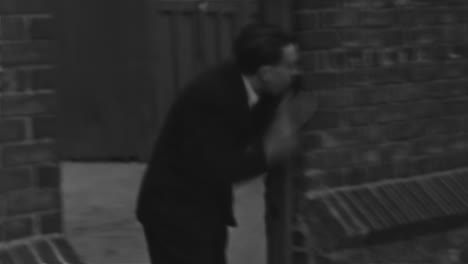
pixel 99 200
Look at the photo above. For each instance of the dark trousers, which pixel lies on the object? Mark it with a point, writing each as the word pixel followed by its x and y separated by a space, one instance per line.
pixel 171 244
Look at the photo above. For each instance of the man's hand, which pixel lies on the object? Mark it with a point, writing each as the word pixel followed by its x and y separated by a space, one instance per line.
pixel 282 138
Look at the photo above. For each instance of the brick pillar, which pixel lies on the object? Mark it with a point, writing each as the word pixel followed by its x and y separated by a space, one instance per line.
pixel 386 160
pixel 31 219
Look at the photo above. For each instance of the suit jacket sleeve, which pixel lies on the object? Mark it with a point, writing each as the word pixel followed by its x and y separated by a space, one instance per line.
pixel 212 149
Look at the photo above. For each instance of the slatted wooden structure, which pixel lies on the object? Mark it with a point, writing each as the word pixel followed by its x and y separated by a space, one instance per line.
pixel 387 210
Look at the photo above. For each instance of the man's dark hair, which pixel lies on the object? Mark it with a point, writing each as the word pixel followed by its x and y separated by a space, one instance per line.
pixel 260 44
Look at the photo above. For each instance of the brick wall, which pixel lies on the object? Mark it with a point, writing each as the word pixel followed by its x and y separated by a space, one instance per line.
pixel 387 151
pixel 31 222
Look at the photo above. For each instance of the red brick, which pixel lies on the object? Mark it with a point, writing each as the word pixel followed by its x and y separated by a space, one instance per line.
pixel 423 54
pixel 334 178
pixel 44 127
pixel 24 255
pixel 12 28
pixel 379 172
pixel 423 166
pixel 422 36
pixel 377 18
pixel 425 109
pixel 371 96
pixel 366 154
pixel 449 16
pixel 453 34
pixel 31 201
pixel 335 99
pixel 17 155
pixel 308 61
pixel 354 175
pixel 300 257
pixel 341 137
pixel 359 58
pixel 12 130
pixel 327 139
pixel 406 92
pixel 2 236
pixel 13 81
pixel 386 75
pixel 396 152
pixel 412 17
pixel 323 120
pixel 456 107
pixel 319 81
pixel 5 257
pixel 42 28
pixel 327 159
pixel 442 126
pixel 17 228
pixel 51 223
pixel 37 52
pixel 15 179
pixel 46 252
pixel 447 88
pixel 313 179
pixel 457 143
pixel 318 4
pixel 44 79
pixel 371 135
pixel 362 116
pixel 27 104
pixel 405 130
pixel 306 20
pixel 455 160
pixel 353 78
pixel 423 72
pixel 317 40
pixel 338 18
pixel 361 4
pixel 48 177
pixel 327 61
pixel 453 70
pixel 371 37
pixel 401 169
pixel 67 251
pixel 428 146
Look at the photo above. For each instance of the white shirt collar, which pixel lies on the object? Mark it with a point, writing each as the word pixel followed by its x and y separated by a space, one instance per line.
pixel 252 96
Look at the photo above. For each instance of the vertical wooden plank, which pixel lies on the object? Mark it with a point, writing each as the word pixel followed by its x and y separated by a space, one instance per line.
pixel 164 65
pixel 174 40
pixel 209 40
pixel 185 47
pixel 225 35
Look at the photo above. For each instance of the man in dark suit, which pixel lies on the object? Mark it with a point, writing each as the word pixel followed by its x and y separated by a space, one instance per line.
pixel 214 136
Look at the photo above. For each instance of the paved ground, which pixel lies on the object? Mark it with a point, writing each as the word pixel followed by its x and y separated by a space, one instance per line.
pixel 99 201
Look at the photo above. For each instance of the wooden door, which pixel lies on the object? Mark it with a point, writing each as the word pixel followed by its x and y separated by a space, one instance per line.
pixel 187 36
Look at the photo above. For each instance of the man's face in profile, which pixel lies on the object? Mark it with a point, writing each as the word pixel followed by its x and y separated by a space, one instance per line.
pixel 279 77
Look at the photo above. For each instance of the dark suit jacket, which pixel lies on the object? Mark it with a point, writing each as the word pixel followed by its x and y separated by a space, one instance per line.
pixel 210 140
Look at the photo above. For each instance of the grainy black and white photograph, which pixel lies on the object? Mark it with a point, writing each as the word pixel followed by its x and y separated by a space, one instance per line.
pixel 234 132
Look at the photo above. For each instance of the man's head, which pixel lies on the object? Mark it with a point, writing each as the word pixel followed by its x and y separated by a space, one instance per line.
pixel 269 55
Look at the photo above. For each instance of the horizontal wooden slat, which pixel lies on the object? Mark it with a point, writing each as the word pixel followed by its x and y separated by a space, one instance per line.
pixel 381 211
